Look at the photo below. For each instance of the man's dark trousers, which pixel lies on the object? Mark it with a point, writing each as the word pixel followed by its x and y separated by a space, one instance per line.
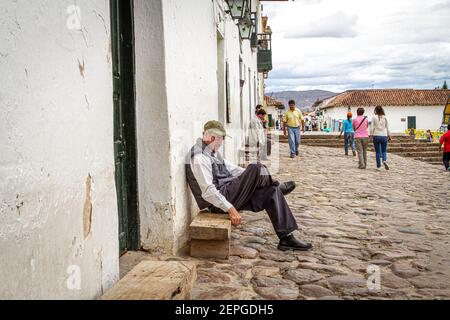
pixel 446 160
pixel 255 191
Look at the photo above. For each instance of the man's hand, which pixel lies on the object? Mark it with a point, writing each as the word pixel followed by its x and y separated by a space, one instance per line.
pixel 235 217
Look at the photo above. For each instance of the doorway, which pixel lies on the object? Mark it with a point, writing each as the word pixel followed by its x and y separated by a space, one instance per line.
pixel 412 123
pixel 123 63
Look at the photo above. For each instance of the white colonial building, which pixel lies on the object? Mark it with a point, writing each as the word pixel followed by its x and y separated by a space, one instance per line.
pixel 274 109
pixel 100 102
pixel 405 108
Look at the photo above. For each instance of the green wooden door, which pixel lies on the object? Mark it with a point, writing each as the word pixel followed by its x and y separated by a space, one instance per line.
pixel 412 123
pixel 122 45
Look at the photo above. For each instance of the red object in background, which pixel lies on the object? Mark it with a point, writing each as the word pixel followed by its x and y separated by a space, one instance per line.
pixel 446 140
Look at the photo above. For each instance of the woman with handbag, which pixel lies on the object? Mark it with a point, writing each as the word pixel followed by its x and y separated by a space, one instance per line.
pixel 361 127
pixel 381 136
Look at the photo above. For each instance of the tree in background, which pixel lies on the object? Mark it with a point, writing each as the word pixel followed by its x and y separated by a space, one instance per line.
pixel 445 87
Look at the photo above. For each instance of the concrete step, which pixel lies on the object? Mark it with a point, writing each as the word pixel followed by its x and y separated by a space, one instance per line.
pixel 432 154
pixel 331 137
pixel 404 146
pixel 414 149
pixel 430 159
pixel 156 280
pixel 391 144
pixel 391 147
pixel 210 236
pixel 406 152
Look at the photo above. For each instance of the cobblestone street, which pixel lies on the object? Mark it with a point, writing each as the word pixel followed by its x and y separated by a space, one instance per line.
pixel 398 220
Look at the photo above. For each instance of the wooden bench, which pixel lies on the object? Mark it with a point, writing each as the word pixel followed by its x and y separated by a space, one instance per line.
pixel 210 236
pixel 156 280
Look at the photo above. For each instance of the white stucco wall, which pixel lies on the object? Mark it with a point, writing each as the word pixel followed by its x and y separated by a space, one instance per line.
pixel 177 92
pixel 192 90
pixel 153 142
pixel 428 117
pixel 56 129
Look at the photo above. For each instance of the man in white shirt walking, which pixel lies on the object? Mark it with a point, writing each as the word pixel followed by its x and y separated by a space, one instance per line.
pixel 220 186
pixel 257 138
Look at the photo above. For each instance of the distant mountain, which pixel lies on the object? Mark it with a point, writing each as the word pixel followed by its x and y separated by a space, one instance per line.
pixel 304 99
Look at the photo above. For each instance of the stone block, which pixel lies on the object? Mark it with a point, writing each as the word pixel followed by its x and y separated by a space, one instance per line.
pixel 208 226
pixel 208 249
pixel 156 280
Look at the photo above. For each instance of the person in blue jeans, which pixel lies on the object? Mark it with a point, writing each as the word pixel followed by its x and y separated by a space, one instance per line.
pixel 349 134
pixel 293 120
pixel 295 139
pixel 381 136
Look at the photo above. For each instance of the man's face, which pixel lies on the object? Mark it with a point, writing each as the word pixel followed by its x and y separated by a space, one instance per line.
pixel 217 142
pixel 214 141
pixel 261 117
pixel 292 107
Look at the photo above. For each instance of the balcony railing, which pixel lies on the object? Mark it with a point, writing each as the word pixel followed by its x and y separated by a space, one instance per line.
pixel 264 52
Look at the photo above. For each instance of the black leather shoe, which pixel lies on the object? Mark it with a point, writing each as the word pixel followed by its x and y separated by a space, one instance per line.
pixel 287 187
pixel 291 243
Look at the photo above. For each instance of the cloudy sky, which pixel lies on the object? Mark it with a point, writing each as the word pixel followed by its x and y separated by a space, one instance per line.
pixel 339 45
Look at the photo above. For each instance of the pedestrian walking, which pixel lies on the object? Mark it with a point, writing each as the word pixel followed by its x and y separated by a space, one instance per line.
pixel 429 136
pixel 349 134
pixel 361 128
pixel 381 136
pixel 445 141
pixel 292 121
pixel 257 138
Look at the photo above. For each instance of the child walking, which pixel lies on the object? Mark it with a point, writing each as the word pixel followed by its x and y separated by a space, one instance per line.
pixel 349 134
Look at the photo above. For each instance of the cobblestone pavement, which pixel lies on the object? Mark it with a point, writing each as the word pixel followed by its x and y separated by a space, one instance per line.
pixel 397 221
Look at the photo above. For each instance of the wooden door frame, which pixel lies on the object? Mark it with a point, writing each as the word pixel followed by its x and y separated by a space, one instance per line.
pixel 124 97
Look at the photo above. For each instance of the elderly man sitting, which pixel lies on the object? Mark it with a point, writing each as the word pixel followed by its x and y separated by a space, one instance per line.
pixel 222 187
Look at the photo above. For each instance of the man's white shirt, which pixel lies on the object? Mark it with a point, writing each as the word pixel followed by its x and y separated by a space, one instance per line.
pixel 202 169
pixel 256 132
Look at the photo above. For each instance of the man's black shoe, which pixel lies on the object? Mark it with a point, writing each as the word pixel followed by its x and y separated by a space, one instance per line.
pixel 291 243
pixel 287 187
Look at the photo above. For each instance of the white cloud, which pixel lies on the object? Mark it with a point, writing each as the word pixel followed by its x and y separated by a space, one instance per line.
pixel 337 25
pixel 347 44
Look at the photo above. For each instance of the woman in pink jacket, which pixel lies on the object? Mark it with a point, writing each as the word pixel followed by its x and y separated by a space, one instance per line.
pixel 361 127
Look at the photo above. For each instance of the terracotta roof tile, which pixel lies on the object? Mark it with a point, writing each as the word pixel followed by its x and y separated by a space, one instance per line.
pixel 389 97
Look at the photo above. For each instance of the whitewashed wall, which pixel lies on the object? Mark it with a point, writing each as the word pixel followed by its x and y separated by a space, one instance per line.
pixel 56 131
pixel 178 69
pixel 193 92
pixel 428 117
pixel 153 132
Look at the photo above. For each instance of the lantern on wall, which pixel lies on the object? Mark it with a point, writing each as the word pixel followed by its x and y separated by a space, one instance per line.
pixel 246 26
pixel 237 8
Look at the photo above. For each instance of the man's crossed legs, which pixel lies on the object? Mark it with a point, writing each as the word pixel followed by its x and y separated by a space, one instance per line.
pixel 255 191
